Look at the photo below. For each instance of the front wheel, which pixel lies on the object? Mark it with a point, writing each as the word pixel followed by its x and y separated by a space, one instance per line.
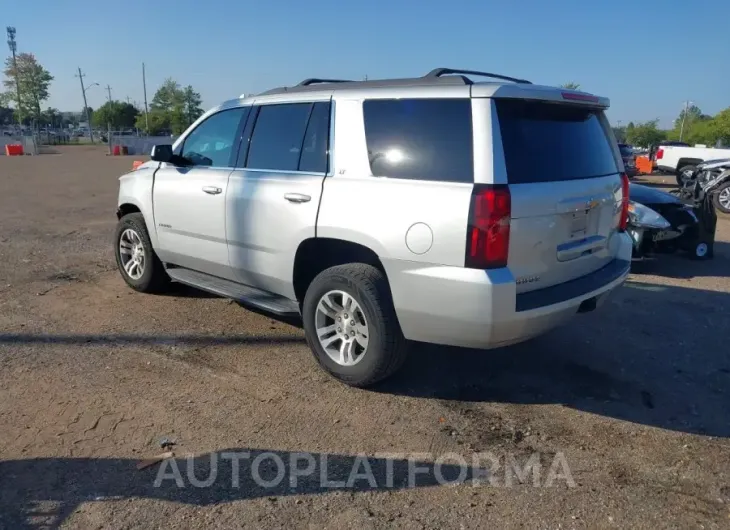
pixel 721 198
pixel 138 264
pixel 351 325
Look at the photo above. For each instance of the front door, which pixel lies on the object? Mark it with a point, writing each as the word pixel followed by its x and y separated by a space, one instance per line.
pixel 190 201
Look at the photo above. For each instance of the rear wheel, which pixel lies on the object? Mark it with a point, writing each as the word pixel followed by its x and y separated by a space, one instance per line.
pixel 351 325
pixel 721 199
pixel 684 173
pixel 138 264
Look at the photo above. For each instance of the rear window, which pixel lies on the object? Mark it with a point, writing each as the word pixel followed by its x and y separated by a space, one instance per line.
pixel 420 139
pixel 547 142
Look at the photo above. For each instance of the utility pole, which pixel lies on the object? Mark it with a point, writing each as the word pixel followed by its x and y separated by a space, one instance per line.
pixel 684 117
pixel 144 86
pixel 13 48
pixel 81 76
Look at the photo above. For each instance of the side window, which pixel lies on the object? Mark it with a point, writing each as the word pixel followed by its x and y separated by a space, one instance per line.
pixel 422 139
pixel 212 142
pixel 314 149
pixel 276 141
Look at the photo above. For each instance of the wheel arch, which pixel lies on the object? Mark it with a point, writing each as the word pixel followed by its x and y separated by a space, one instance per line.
pixel 682 162
pixel 127 205
pixel 316 254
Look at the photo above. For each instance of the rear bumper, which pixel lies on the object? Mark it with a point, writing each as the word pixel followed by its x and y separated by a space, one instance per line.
pixel 481 309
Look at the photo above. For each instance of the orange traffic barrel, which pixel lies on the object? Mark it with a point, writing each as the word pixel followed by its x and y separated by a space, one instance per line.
pixel 136 164
pixel 14 149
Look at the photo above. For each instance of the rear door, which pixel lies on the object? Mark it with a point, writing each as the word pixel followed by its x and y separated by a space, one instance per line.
pixel 273 194
pixel 565 185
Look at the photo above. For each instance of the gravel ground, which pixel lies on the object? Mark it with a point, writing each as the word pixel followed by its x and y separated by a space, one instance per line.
pixel 628 406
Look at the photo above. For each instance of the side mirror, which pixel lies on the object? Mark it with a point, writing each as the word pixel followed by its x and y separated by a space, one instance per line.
pixel 161 153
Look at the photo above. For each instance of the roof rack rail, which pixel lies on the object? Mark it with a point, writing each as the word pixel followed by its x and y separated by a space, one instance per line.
pixel 315 81
pixel 438 72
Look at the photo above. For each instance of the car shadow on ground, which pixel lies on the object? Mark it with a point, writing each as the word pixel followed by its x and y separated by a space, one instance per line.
pixel 654 355
pixel 44 492
pixel 681 264
pixel 18 339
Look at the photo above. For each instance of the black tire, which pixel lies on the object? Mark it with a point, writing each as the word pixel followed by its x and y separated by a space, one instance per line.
pixel 387 348
pixel 680 172
pixel 716 198
pixel 154 279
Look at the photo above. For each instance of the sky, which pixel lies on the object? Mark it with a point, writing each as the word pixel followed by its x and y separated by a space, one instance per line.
pixel 647 56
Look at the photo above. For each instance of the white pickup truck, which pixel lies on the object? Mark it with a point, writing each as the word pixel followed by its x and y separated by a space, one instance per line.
pixel 678 160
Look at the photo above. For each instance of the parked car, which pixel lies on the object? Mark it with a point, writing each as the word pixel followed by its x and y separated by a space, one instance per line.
pixel 629 159
pixel 661 223
pixel 431 209
pixel 683 161
pixel 713 179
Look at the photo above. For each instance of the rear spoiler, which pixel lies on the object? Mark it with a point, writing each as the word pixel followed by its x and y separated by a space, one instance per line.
pixel 544 93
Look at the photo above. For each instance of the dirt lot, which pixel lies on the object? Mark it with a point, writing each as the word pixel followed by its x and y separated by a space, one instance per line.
pixel 92 375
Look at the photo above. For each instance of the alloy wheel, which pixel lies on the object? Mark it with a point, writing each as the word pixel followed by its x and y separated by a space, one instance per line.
pixel 342 329
pixel 131 253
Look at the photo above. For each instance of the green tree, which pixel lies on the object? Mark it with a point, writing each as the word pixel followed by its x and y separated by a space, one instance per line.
pixel 645 134
pixel 33 82
pixel 693 113
pixel 571 86
pixel 620 134
pixel 695 125
pixel 51 117
pixel 7 116
pixel 172 108
pixel 117 114
pixel 158 122
pixel 82 115
pixel 191 105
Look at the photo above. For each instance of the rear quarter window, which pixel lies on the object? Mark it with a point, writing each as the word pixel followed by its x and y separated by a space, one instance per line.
pixel 420 139
pixel 547 142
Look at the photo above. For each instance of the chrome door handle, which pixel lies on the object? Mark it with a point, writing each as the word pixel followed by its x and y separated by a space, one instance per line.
pixel 297 197
pixel 212 190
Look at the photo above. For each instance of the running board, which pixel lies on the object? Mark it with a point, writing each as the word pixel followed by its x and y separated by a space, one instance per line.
pixel 264 300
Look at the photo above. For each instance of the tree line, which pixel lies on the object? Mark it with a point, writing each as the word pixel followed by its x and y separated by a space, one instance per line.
pixel 698 128
pixel 173 108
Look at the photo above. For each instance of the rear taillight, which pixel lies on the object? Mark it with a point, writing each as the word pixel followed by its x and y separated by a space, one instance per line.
pixel 487 235
pixel 623 221
pixel 659 154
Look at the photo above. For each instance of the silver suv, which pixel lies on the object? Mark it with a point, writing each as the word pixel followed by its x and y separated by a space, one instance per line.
pixel 430 209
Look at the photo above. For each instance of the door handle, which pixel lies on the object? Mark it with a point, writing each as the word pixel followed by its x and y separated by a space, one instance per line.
pixel 297 197
pixel 212 190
